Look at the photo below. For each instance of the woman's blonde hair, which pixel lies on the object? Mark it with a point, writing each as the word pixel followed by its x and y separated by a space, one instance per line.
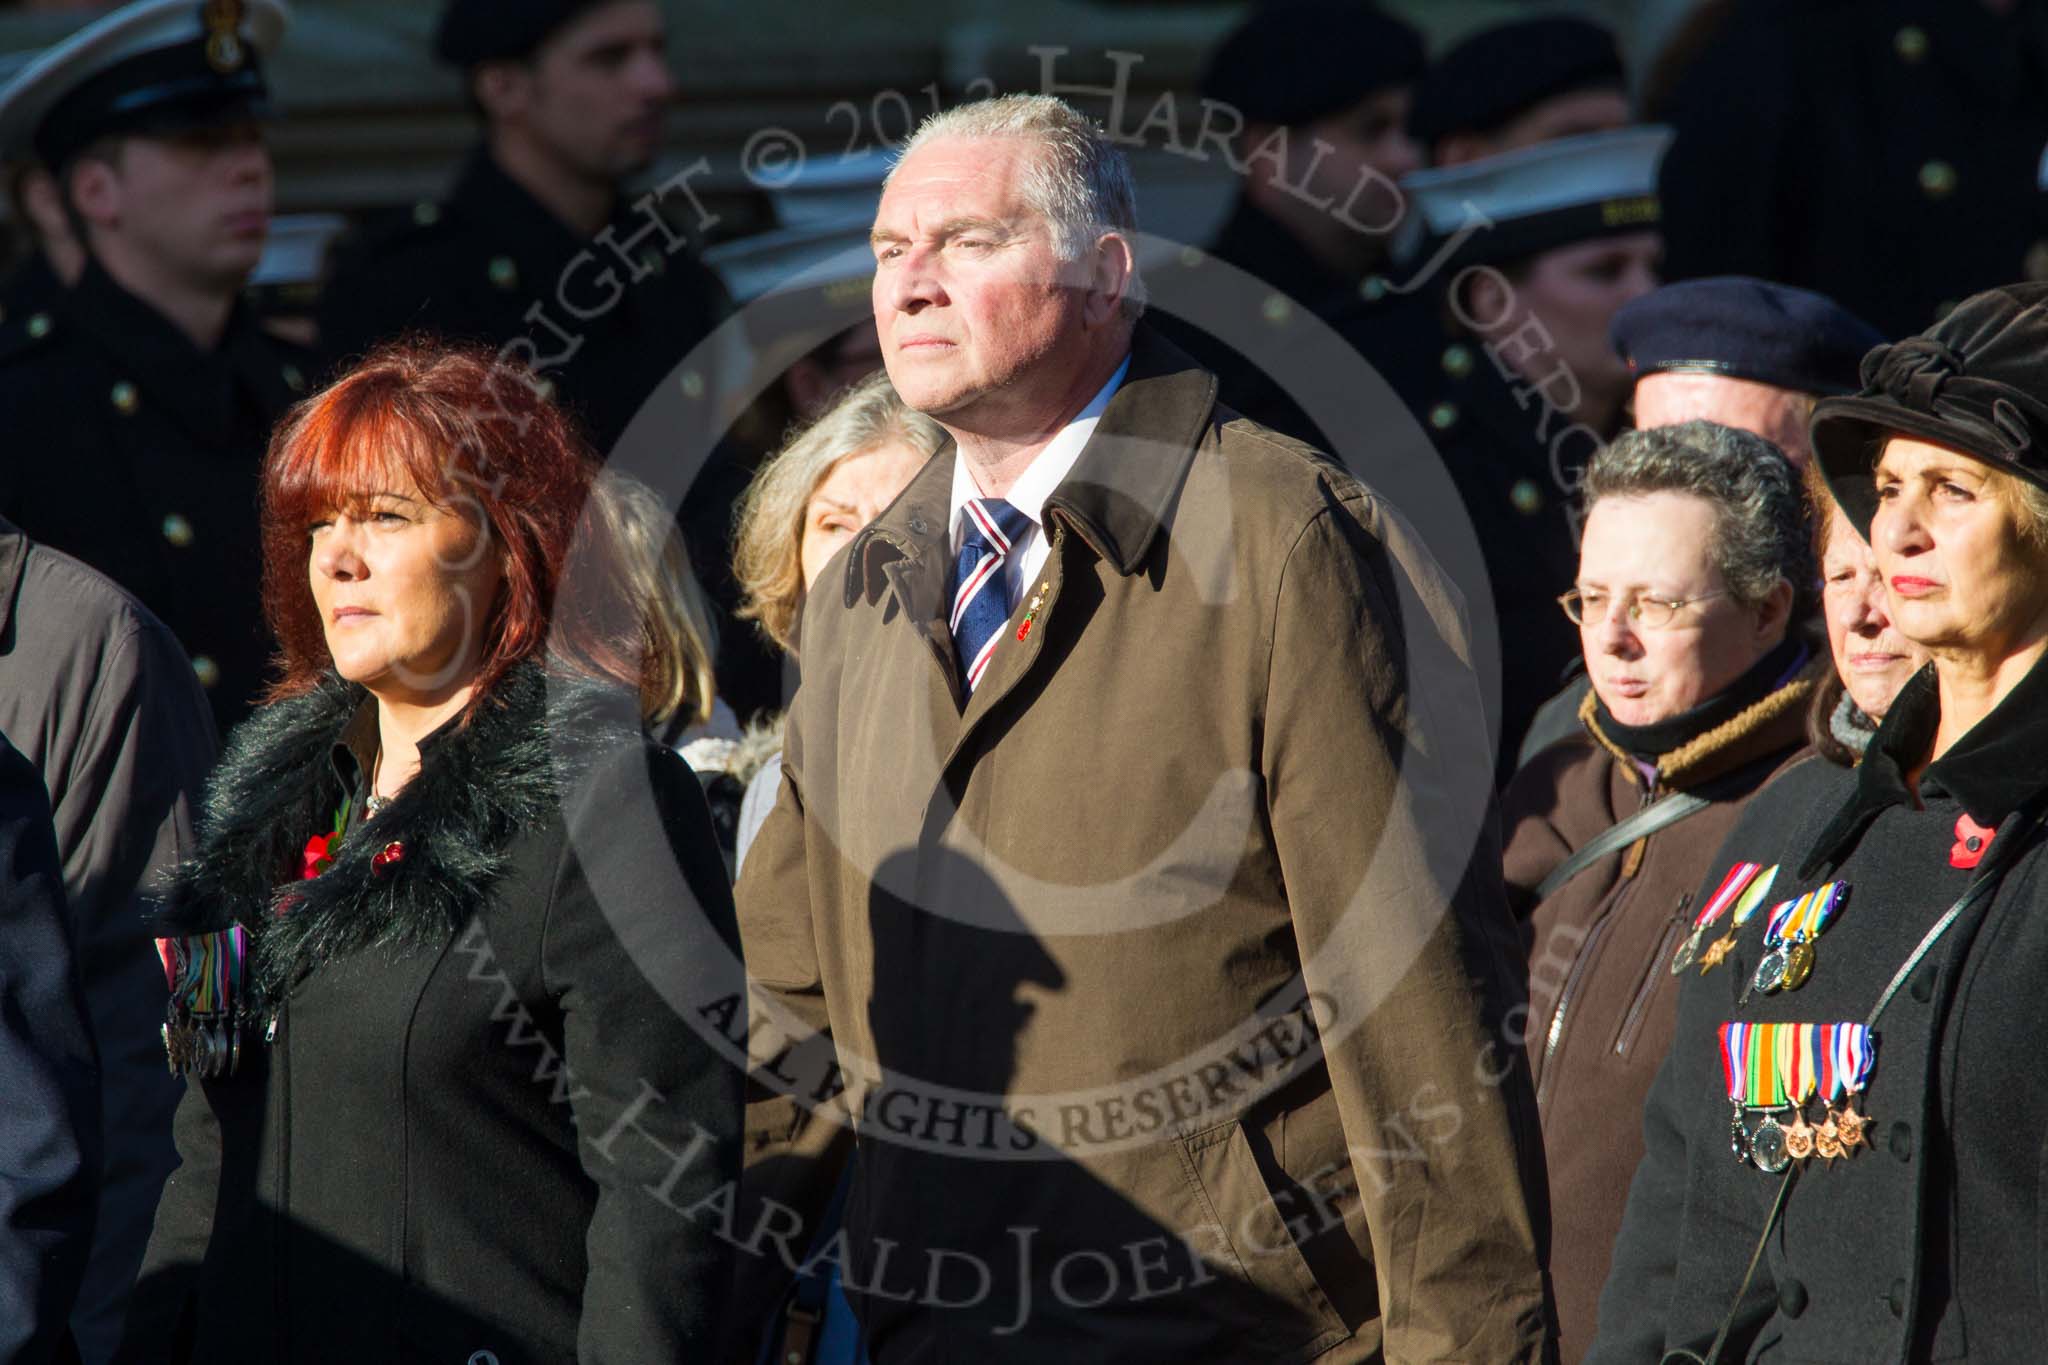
pixel 646 572
pixel 768 558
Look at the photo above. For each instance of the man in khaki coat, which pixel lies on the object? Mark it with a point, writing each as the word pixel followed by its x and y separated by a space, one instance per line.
pixel 1116 894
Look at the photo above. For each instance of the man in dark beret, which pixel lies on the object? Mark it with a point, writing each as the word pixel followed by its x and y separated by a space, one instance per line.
pixel 1743 352
pixel 538 250
pixel 1518 84
pixel 141 399
pixel 1319 91
pixel 595 293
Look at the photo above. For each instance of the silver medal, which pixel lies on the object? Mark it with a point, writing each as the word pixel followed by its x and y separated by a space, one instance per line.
pixel 1767 1147
pixel 1688 951
pixel 1738 1140
pixel 1770 973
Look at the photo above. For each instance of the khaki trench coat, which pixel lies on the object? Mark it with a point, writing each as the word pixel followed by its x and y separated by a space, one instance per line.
pixel 1074 941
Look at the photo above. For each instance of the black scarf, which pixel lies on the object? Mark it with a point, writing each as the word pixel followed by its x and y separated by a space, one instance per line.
pixel 1651 742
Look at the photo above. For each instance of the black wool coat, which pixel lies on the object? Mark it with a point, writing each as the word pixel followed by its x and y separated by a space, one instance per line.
pixel 1928 1244
pixel 483 1110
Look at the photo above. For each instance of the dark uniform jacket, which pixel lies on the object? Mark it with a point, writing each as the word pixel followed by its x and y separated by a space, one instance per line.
pixel 1926 1245
pixel 139 454
pixel 1886 153
pixel 1230 754
pixel 95 692
pixel 477 1124
pixel 1602 996
pixel 1499 455
pixel 471 268
pixel 50 1141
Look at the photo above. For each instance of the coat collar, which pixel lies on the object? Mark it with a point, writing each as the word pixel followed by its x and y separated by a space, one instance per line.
pixel 1116 498
pixel 479 785
pixel 1774 723
pixel 1993 770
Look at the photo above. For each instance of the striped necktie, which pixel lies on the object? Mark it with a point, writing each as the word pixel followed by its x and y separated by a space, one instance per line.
pixel 981 595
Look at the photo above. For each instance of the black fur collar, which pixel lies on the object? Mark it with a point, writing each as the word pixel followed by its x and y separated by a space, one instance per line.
pixel 479 786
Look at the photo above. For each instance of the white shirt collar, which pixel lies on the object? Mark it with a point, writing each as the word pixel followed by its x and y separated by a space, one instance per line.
pixel 1047 470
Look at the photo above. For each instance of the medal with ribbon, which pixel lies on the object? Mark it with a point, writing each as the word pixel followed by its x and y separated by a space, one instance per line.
pixel 1848 1055
pixel 1789 936
pixel 1774 1070
pixel 1726 894
pixel 1743 905
pixel 208 977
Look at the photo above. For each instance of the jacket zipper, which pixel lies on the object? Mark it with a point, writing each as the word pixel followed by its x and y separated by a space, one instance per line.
pixel 1660 957
pixel 1580 966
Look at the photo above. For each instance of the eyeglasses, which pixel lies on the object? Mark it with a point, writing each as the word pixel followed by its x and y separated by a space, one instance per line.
pixel 1651 613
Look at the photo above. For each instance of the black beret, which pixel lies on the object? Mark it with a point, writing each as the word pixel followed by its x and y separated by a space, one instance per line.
pixel 1497 74
pixel 1975 382
pixel 474 31
pixel 153 66
pixel 1747 329
pixel 1295 61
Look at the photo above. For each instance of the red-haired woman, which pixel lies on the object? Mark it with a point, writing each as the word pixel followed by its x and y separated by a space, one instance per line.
pixel 434 967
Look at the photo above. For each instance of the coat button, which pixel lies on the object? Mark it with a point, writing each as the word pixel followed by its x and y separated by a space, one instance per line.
pixel 39 325
pixel 1457 361
pixel 1900 1140
pixel 1922 988
pixel 1527 497
pixel 1792 1298
pixel 1444 416
pixel 1276 309
pixel 206 669
pixel 1937 180
pixel 177 530
pixel 426 213
pixel 1895 1298
pixel 1374 289
pixel 505 274
pixel 125 399
pixel 1910 43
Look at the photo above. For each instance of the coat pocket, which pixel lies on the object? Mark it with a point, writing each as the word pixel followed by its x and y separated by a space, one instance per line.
pixel 1255 1240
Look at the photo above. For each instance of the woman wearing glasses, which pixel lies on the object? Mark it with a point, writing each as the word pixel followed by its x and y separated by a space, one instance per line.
pixel 1695 571
pixel 1844 1146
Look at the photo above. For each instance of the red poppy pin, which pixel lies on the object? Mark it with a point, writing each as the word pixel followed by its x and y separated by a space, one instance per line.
pixel 1971 841
pixel 318 856
pixel 388 857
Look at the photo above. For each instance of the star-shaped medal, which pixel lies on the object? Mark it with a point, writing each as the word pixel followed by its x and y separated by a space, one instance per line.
pixel 1717 950
pixel 1850 1125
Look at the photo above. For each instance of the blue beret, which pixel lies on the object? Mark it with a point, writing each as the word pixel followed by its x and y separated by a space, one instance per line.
pixel 1490 78
pixel 1296 61
pixel 474 31
pixel 1747 329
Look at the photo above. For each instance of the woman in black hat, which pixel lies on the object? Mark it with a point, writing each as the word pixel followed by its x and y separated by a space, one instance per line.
pixel 1844 1147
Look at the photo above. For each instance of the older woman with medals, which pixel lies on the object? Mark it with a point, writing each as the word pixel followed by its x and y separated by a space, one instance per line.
pixel 434 968
pixel 1844 1146
pixel 1695 567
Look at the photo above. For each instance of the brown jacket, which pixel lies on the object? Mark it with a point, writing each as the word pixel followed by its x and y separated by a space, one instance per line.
pixel 1602 998
pixel 1058 935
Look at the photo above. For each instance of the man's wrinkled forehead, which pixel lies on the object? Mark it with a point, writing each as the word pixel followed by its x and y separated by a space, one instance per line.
pixel 953 181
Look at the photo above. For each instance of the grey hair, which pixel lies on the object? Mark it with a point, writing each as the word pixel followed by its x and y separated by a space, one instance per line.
pixel 769 531
pixel 1080 183
pixel 1761 511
